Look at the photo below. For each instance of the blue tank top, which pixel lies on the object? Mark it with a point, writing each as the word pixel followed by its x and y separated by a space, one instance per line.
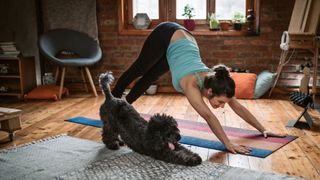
pixel 184 58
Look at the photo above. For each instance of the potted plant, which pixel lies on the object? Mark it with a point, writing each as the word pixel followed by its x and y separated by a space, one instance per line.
pixel 238 19
pixel 213 22
pixel 189 13
pixel 224 25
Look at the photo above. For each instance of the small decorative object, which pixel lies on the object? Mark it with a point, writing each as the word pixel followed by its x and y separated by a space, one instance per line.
pixel 304 83
pixel 213 22
pixel 48 79
pixel 224 25
pixel 4 89
pixel 238 19
pixel 141 21
pixel 250 20
pixel 152 90
pixel 189 13
pixel 4 68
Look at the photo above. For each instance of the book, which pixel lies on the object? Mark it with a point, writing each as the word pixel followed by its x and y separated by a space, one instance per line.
pixel 10 52
pixel 7 43
pixel 7 48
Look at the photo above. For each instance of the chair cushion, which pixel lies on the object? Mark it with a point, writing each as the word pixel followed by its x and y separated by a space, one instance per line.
pixel 46 92
pixel 245 83
pixel 264 83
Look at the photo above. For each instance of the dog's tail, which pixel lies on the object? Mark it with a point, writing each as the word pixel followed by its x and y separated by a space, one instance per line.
pixel 105 79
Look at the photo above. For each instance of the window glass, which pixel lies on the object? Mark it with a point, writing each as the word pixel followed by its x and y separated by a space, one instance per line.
pixel 225 9
pixel 151 7
pixel 200 7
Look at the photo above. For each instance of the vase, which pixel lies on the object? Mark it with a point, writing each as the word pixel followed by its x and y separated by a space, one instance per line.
pixel 250 20
pixel 224 25
pixel 237 26
pixel 213 24
pixel 189 24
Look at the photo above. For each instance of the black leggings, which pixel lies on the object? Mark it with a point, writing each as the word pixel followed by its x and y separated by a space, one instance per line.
pixel 150 64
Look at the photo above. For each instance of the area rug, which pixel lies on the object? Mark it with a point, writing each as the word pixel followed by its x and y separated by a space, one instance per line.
pixel 65 157
pixel 51 157
pixel 199 134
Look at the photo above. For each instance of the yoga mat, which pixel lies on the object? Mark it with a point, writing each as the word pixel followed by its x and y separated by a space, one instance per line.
pixel 199 134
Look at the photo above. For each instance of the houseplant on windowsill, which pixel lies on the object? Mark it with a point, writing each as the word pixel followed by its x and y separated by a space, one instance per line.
pixel 238 19
pixel 213 22
pixel 224 25
pixel 188 13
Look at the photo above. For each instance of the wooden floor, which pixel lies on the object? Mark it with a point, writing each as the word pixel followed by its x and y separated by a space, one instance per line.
pixel 301 157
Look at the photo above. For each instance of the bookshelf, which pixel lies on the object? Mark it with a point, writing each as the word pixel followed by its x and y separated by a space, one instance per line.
pixel 18 77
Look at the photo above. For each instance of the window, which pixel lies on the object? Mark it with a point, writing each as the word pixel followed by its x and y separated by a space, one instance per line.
pixel 225 9
pixel 172 10
pixel 151 7
pixel 200 7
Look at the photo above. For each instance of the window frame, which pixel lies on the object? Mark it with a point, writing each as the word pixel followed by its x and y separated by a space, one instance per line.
pixel 167 12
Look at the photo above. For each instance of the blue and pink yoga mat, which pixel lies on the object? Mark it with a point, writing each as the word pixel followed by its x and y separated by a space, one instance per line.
pixel 199 134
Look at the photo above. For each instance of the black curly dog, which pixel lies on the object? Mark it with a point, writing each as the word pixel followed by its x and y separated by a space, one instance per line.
pixel 157 138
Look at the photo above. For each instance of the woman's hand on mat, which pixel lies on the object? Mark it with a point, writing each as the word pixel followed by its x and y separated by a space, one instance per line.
pixel 235 148
pixel 267 134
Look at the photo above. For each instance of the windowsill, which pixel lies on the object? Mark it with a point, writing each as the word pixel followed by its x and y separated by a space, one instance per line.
pixel 196 32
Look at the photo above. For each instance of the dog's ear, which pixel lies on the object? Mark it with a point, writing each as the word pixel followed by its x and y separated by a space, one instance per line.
pixel 153 138
pixel 154 121
pixel 154 141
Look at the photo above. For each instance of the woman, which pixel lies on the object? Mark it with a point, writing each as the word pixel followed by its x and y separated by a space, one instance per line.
pixel 171 47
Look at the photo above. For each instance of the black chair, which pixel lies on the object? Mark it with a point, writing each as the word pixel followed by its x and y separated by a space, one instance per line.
pixel 86 48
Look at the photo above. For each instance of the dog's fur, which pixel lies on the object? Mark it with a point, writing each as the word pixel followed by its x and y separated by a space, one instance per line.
pixel 157 138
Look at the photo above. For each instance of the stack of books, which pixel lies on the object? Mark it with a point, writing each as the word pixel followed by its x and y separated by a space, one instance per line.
pixel 8 49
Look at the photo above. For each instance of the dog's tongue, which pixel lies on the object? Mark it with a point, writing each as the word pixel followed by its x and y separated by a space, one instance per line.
pixel 171 146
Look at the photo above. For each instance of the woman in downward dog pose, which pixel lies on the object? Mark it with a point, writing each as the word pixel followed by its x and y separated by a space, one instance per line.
pixel 170 47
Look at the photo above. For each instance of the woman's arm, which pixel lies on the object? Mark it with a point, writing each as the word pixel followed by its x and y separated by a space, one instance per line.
pixel 246 115
pixel 243 112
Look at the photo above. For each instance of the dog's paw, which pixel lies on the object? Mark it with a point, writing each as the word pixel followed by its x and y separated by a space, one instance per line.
pixel 121 143
pixel 113 146
pixel 194 160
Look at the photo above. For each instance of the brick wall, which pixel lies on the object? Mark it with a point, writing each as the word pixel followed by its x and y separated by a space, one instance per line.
pixel 255 53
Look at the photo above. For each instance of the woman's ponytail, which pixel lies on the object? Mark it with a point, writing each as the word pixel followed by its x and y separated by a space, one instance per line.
pixel 220 81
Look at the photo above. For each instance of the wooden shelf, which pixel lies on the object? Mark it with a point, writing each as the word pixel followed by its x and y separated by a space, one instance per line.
pixel 9 76
pixel 11 94
pixel 21 77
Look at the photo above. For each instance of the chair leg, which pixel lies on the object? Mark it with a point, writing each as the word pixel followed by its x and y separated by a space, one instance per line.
pixel 84 79
pixel 62 82
pixel 91 81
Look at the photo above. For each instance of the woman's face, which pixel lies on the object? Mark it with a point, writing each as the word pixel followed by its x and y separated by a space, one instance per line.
pixel 219 101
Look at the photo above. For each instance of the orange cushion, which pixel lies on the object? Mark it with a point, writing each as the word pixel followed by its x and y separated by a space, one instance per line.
pixel 245 83
pixel 46 92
